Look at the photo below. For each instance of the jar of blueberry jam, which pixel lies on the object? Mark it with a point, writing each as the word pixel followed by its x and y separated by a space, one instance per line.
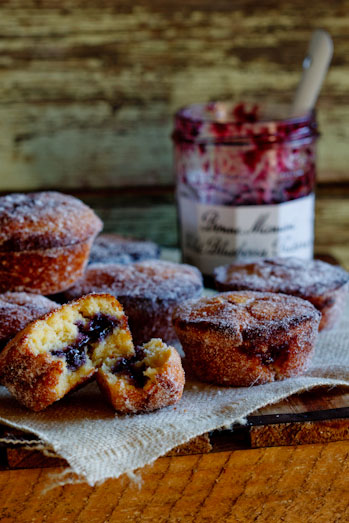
pixel 245 180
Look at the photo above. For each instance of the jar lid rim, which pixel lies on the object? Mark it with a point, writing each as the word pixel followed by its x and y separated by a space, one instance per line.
pixel 194 123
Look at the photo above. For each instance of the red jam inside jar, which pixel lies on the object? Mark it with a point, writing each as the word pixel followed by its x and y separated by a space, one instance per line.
pixel 239 156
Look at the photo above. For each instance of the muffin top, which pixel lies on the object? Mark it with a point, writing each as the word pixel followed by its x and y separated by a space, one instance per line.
pixel 245 314
pixel 44 220
pixel 150 280
pixel 112 248
pixel 17 309
pixel 294 276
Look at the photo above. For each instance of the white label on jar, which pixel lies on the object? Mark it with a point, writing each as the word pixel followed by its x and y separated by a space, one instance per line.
pixel 213 235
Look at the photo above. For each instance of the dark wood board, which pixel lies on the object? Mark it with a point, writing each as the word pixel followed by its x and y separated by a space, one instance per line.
pixel 317 416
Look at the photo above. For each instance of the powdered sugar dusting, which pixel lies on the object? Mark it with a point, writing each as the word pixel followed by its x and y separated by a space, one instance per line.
pixel 151 280
pixel 288 275
pixel 44 220
pixel 245 338
pixel 148 291
pixel 236 312
pixel 17 309
pixel 43 271
pixel 112 248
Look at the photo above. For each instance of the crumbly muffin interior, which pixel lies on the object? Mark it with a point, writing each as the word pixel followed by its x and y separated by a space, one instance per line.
pixel 81 338
pixel 139 369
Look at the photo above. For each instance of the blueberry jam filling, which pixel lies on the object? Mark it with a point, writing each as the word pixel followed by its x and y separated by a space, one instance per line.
pixel 128 367
pixel 95 330
pixel 274 353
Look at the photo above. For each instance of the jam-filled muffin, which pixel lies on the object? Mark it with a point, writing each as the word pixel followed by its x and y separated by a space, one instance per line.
pixel 150 378
pixel 148 291
pixel 112 248
pixel 45 241
pixel 324 285
pixel 17 309
pixel 62 350
pixel 247 338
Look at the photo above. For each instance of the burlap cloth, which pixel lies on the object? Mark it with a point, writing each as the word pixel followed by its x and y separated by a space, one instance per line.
pixel 98 444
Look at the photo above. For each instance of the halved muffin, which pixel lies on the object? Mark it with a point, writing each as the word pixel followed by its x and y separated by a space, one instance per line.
pixel 150 379
pixel 62 350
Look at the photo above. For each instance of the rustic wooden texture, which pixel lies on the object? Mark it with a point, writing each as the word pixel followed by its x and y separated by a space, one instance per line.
pixel 88 89
pixel 290 484
pixel 315 400
pixel 199 445
pixel 21 458
pixel 317 416
pixel 300 433
pixel 17 457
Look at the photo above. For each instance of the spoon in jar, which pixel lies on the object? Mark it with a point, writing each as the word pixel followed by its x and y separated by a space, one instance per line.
pixel 315 66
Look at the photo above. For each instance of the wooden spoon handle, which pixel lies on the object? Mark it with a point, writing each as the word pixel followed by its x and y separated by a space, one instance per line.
pixel 315 66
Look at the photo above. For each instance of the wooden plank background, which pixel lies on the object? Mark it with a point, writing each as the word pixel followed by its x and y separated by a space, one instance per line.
pixel 88 88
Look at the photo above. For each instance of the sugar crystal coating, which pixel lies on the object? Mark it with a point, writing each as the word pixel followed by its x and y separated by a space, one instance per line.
pixel 112 248
pixel 17 309
pixel 45 240
pixel 246 312
pixel 147 290
pixel 149 280
pixel 44 220
pixel 245 338
pixel 324 285
pixel 288 275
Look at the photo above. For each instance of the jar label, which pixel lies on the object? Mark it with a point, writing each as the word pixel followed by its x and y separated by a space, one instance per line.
pixel 213 235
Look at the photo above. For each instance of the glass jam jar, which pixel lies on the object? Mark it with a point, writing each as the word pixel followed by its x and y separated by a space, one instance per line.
pixel 245 179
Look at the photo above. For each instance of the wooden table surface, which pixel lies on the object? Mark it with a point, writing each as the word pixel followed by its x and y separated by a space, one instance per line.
pixel 308 483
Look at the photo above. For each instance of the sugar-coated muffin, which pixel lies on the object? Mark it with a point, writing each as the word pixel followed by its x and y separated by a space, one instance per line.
pixel 17 309
pixel 324 285
pixel 247 338
pixel 113 248
pixel 62 350
pixel 148 291
pixel 147 380
pixel 45 241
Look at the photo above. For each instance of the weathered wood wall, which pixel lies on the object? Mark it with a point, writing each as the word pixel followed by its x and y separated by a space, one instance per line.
pixel 88 87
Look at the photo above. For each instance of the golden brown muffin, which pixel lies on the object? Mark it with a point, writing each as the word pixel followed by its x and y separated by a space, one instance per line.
pixel 324 285
pixel 148 291
pixel 112 248
pixel 62 350
pixel 45 241
pixel 17 309
pixel 151 379
pixel 247 338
